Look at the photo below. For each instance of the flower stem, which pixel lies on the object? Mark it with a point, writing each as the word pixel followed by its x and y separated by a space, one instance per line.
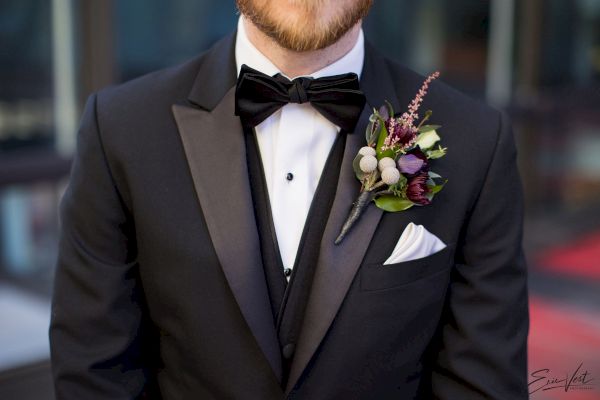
pixel 425 118
pixel 357 208
pixel 383 193
pixel 377 186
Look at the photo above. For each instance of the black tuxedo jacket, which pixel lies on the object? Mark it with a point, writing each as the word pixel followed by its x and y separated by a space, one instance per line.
pixel 160 291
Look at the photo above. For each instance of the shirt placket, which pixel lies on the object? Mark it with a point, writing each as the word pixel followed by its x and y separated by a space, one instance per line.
pixel 291 200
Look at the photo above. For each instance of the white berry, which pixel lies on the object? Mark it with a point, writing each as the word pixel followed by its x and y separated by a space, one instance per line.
pixel 367 151
pixel 368 164
pixel 390 176
pixel 386 162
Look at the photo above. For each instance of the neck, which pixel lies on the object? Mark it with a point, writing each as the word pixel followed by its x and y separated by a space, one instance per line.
pixel 292 63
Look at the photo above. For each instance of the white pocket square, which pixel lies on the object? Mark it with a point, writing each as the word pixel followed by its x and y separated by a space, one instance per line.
pixel 414 243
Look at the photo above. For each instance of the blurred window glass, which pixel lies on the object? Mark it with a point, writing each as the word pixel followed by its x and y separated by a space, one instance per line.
pixel 556 107
pixel 153 34
pixel 30 168
pixel 26 118
pixel 32 174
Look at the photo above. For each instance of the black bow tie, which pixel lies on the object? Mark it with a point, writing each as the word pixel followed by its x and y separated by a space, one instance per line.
pixel 337 98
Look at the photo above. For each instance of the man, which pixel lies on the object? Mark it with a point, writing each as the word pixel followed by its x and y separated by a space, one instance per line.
pixel 197 256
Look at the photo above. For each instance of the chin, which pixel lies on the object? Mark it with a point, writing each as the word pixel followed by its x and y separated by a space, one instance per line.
pixel 304 25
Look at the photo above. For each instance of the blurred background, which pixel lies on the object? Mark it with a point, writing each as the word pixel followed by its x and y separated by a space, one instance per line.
pixel 539 60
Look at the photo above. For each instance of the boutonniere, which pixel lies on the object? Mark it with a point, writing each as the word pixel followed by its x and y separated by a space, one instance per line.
pixel 394 167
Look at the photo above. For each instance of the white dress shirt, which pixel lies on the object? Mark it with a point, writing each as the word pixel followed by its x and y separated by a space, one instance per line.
pixel 294 143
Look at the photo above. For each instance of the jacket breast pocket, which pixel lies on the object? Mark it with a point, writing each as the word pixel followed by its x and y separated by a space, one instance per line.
pixel 378 276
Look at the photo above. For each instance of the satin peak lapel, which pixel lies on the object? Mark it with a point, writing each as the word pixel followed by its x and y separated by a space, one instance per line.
pixel 214 145
pixel 337 265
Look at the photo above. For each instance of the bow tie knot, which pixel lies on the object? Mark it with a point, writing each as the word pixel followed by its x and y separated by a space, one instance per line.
pixel 338 98
pixel 297 90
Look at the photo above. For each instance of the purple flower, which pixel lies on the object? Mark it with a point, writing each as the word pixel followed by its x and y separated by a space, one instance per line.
pixel 417 189
pixel 399 134
pixel 413 162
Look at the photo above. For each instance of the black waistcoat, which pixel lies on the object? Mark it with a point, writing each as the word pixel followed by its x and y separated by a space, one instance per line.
pixel 288 300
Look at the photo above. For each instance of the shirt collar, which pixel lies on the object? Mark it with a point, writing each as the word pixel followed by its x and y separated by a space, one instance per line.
pixel 247 53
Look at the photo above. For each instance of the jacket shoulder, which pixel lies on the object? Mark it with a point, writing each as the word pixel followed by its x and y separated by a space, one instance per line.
pixel 440 94
pixel 151 90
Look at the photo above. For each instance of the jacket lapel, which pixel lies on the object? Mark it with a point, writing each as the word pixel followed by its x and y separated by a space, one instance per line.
pixel 214 146
pixel 337 265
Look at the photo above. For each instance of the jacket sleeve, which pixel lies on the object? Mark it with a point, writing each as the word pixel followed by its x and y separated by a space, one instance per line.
pixel 483 334
pixel 97 330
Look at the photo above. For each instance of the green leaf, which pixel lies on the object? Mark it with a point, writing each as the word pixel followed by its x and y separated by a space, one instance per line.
pixel 372 131
pixel 387 153
pixel 383 134
pixel 356 165
pixel 437 188
pixel 433 175
pixel 437 153
pixel 393 204
pixel 402 181
pixel 427 128
pixel 390 109
pixel 399 189
pixel 434 189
